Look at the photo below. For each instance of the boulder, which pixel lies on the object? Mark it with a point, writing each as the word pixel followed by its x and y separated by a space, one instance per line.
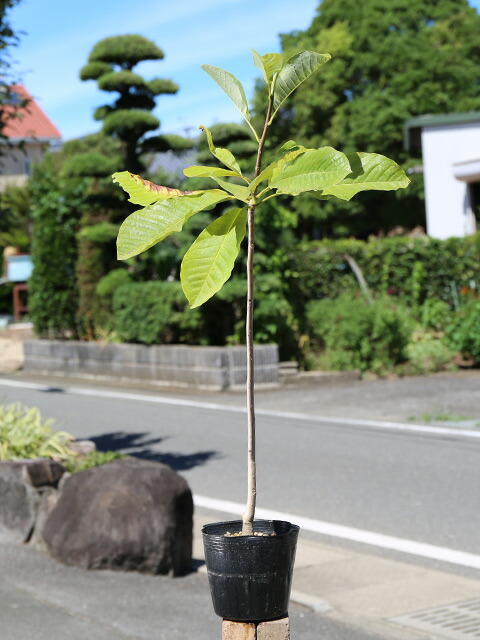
pixel 20 484
pixel 18 504
pixel 42 472
pixel 129 514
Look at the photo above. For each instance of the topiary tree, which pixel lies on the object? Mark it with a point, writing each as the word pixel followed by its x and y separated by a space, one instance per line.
pixel 129 118
pixel 97 230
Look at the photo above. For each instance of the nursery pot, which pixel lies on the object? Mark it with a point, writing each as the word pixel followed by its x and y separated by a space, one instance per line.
pixel 250 576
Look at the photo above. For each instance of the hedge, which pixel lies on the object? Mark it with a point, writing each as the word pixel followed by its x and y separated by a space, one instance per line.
pixel 353 334
pixel 414 269
pixel 53 290
pixel 154 313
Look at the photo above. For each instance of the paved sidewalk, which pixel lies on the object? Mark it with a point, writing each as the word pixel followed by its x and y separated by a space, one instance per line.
pixel 41 599
pixel 338 594
pixel 362 589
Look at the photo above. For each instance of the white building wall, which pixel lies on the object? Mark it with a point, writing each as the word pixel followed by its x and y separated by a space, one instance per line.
pixel 447 199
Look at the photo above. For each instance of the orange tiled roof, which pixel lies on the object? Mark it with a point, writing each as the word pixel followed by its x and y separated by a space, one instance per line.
pixel 32 122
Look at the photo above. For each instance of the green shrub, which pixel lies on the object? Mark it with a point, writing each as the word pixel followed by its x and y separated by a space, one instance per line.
pixel 463 332
pixel 435 314
pixel 349 333
pixel 155 313
pixel 53 290
pixel 275 321
pixel 427 353
pixel 92 459
pixel 23 434
pixel 104 291
pixel 414 269
pixel 107 286
pixel 100 233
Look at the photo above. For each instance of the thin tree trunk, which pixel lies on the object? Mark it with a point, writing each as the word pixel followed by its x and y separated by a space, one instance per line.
pixel 248 516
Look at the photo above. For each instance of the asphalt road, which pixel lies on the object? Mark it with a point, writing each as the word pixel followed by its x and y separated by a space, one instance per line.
pixel 411 485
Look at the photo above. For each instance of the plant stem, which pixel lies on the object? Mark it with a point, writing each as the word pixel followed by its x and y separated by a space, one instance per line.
pixel 248 516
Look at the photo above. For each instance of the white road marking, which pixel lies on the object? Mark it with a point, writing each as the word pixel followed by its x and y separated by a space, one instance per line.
pixel 412 547
pixel 303 417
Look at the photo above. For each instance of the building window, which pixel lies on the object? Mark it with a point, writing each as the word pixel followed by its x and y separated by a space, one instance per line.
pixel 27 167
pixel 474 188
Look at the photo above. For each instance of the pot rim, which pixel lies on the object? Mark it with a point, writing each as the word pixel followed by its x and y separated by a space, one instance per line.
pixel 236 525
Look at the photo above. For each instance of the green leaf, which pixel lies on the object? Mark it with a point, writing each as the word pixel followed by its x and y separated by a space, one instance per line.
pixel 286 146
pixel 370 172
pixel 266 174
pixel 269 64
pixel 297 69
pixel 313 170
pixel 288 158
pixel 232 87
pixel 225 156
pixel 145 227
pixel 319 195
pixel 278 160
pixel 144 192
pixel 208 263
pixel 239 191
pixel 208 172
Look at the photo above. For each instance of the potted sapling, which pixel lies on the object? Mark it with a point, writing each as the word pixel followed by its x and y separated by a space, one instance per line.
pixel 249 561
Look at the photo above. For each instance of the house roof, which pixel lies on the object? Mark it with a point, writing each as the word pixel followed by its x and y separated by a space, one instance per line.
pixel 413 127
pixel 31 122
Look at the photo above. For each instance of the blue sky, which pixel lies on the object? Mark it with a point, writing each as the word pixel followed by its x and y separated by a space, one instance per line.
pixel 59 35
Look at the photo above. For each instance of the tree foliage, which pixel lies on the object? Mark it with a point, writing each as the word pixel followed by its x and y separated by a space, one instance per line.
pixel 53 298
pixel 294 170
pixel 9 102
pixel 391 60
pixel 129 118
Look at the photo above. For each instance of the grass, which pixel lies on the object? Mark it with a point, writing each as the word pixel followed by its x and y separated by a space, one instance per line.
pixel 440 417
pixel 25 435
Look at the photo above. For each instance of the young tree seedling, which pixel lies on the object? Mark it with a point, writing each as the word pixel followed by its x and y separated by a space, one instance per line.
pixel 325 173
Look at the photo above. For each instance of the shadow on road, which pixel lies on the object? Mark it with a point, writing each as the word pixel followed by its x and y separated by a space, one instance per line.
pixel 141 445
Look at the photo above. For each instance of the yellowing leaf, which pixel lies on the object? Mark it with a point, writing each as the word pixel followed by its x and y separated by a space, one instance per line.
pixel 209 262
pixel 142 191
pixel 145 227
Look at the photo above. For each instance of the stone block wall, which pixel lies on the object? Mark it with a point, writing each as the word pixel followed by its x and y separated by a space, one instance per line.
pixel 212 368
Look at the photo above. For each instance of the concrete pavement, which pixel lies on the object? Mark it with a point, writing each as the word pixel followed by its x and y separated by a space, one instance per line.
pixel 338 594
pixel 348 592
pixel 363 590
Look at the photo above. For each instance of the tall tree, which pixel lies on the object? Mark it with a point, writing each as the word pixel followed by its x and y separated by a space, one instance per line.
pixel 130 117
pixel 400 59
pixel 9 101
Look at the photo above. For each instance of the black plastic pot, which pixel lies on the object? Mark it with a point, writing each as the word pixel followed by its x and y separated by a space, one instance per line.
pixel 250 576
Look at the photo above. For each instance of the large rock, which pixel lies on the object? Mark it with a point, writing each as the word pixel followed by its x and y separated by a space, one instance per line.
pixel 129 514
pixel 21 483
